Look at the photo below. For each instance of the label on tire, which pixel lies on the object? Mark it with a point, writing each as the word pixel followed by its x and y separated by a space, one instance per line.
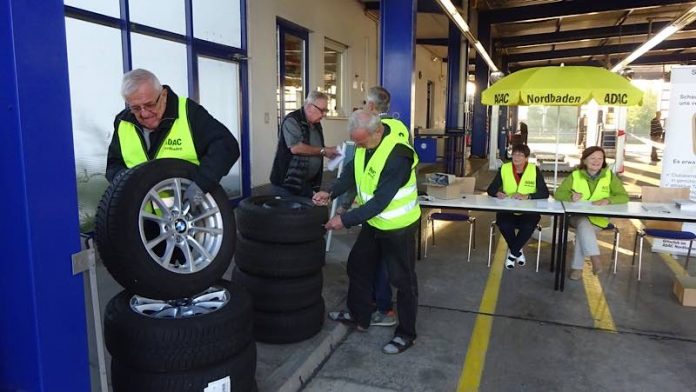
pixel 221 385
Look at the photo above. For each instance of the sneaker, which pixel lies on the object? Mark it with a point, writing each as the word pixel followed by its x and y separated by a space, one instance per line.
pixel 344 317
pixel 521 260
pixel 510 261
pixel 383 319
pixel 576 274
pixel 398 345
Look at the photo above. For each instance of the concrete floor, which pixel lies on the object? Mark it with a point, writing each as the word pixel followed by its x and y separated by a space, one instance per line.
pixel 497 330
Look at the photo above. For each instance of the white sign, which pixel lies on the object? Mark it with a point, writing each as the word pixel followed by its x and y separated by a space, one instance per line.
pixel 679 157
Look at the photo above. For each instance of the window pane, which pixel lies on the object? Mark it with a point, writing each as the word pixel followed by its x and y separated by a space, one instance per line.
pixel 293 65
pixel 218 21
pixel 219 92
pixel 166 59
pixel 332 73
pixel 109 8
pixel 95 70
pixel 164 14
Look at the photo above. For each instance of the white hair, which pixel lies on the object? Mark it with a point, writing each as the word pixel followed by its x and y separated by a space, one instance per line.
pixel 380 97
pixel 134 79
pixel 362 119
pixel 315 96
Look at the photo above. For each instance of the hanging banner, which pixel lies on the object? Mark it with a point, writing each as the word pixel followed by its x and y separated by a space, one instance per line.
pixel 679 156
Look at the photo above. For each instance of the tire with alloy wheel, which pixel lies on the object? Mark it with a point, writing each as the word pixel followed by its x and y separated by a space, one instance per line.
pixel 177 335
pixel 240 369
pixel 289 327
pixel 284 220
pixel 153 242
pixel 270 260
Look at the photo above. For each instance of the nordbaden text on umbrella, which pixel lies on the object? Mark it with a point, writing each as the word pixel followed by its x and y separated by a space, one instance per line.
pixel 565 99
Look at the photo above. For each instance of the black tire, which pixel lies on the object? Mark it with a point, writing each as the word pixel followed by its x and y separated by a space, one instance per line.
pixel 120 221
pixel 280 295
pixel 241 369
pixel 175 344
pixel 289 327
pixel 280 260
pixel 285 220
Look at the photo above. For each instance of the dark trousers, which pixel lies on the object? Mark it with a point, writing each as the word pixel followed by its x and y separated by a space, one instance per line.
pixel 653 153
pixel 397 248
pixel 382 288
pixel 523 223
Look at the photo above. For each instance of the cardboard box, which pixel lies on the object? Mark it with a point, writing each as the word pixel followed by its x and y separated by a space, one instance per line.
pixel 460 186
pixel 685 289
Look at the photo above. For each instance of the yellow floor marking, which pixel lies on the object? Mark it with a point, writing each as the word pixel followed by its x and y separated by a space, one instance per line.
pixel 596 301
pixel 670 261
pixel 470 379
pixel 610 245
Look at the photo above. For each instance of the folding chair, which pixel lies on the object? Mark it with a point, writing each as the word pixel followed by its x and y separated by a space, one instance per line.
pixel 453 217
pixel 651 194
pixel 491 236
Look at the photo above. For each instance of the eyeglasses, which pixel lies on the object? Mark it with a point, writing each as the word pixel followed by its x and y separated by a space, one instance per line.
pixel 323 111
pixel 150 107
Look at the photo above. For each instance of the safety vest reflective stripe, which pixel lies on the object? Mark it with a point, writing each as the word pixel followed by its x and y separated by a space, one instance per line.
pixel 177 144
pixel 399 211
pixel 403 192
pixel 527 185
pixel 602 191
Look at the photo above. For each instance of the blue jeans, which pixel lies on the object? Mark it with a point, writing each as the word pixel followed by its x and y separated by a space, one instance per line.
pixel 382 288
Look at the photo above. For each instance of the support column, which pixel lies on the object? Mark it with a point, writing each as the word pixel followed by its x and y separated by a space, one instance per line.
pixel 43 329
pixel 397 23
pixel 479 132
pixel 454 77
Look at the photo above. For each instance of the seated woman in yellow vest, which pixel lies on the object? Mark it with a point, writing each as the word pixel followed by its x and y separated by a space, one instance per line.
pixel 592 181
pixel 518 179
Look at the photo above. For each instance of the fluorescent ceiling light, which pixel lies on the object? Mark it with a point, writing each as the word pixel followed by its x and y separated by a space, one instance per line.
pixel 464 27
pixel 672 28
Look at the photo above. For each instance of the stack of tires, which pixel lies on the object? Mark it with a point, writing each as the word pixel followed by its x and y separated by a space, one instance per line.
pixel 177 326
pixel 280 255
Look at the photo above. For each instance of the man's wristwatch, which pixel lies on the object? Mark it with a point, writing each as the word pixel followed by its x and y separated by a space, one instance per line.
pixel 322 152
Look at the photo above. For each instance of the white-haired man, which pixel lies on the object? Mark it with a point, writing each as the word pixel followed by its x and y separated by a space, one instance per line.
pixel 298 165
pixel 159 124
pixel 383 175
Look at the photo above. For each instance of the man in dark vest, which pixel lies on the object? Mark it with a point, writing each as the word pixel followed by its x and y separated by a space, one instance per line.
pixel 298 165
pixel 159 124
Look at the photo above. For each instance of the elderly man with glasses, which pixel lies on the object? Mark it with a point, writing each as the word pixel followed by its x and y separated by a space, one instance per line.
pixel 298 164
pixel 159 124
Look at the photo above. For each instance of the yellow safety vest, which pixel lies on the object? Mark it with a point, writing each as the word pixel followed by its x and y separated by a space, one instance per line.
pixel 602 191
pixel 403 209
pixel 177 144
pixel 527 185
pixel 397 128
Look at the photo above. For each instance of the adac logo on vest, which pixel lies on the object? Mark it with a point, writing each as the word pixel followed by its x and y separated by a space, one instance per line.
pixel 371 172
pixel 613 99
pixel 173 144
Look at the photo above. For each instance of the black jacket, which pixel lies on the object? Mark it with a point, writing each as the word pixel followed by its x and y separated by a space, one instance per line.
pixel 216 147
pixel 282 173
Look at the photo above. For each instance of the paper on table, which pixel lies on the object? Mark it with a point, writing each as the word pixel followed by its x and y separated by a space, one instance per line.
pixel 335 161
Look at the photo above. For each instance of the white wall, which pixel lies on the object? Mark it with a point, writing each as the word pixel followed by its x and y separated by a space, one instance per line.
pixel 435 71
pixel 340 20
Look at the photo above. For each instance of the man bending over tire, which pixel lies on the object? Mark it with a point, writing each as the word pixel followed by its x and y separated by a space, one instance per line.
pixel 383 175
pixel 159 124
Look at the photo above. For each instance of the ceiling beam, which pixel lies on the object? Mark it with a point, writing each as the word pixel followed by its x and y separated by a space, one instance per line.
pixel 425 6
pixel 598 50
pixel 673 58
pixel 432 41
pixel 583 34
pixel 568 8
